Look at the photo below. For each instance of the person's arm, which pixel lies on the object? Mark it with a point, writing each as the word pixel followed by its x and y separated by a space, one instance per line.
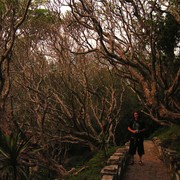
pixel 135 131
pixel 131 130
pixel 142 130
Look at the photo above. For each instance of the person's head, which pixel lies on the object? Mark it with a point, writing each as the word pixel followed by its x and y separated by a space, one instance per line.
pixel 135 115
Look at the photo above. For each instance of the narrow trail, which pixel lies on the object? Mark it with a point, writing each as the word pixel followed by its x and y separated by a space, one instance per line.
pixel 152 169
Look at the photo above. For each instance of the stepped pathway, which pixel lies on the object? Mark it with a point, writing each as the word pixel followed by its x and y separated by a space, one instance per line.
pixel 153 168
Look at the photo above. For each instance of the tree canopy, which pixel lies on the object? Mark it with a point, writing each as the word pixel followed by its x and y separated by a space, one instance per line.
pixel 65 76
pixel 141 40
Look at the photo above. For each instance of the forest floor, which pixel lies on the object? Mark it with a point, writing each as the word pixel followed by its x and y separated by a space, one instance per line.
pixel 152 168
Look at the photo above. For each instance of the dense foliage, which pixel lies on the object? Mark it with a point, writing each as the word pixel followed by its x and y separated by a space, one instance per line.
pixel 71 79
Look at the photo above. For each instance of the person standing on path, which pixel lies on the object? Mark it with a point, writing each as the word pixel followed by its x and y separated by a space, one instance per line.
pixel 137 128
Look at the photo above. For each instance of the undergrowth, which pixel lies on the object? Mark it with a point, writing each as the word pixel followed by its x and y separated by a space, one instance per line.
pixel 170 137
pixel 92 167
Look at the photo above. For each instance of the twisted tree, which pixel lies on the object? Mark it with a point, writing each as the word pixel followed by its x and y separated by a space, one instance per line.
pixel 12 15
pixel 141 40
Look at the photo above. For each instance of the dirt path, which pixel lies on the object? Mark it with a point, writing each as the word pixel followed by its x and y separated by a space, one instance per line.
pixel 153 168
